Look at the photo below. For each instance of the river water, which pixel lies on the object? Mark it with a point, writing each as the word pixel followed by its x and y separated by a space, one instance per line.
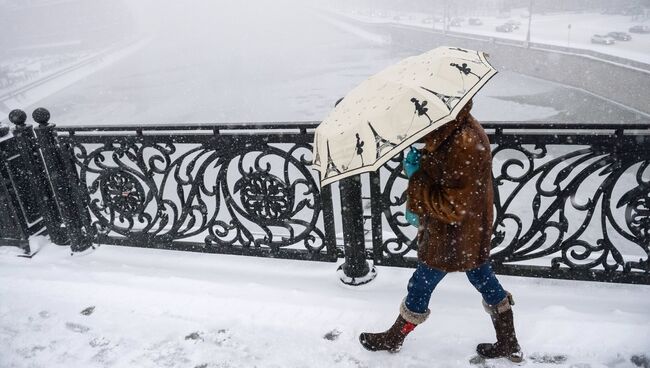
pixel 210 64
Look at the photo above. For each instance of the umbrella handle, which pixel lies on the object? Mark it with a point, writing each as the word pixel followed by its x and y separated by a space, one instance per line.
pixel 412 162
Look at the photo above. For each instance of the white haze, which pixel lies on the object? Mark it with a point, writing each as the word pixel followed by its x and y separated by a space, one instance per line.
pixel 228 61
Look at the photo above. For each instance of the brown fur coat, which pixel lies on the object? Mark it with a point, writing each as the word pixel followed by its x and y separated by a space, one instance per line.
pixel 453 195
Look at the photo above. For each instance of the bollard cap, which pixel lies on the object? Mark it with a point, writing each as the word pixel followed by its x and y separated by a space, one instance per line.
pixel 18 117
pixel 41 116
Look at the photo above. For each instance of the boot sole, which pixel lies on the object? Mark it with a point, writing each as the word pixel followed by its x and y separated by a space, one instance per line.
pixel 368 347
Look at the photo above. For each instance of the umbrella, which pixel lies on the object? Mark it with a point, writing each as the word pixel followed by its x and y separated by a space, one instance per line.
pixel 395 108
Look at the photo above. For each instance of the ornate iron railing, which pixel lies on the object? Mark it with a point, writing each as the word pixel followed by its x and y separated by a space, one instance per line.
pixel 19 213
pixel 571 201
pixel 27 204
pixel 238 189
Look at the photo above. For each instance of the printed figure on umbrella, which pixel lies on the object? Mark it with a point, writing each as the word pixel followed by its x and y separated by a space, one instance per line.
pixel 428 99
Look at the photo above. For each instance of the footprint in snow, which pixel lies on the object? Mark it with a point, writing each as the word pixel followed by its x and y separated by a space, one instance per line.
pixel 641 360
pixel 30 352
pixel 75 327
pixel 88 311
pixel 99 342
pixel 332 335
pixel 194 336
pixel 348 359
pixel 548 358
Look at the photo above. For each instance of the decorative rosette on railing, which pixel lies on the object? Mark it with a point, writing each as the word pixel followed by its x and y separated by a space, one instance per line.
pixel 217 193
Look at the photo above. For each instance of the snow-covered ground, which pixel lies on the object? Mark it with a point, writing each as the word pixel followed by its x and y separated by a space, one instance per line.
pixel 561 29
pixel 148 308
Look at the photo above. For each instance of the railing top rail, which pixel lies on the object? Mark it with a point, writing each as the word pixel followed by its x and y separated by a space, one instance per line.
pixel 302 126
pixel 559 125
pixel 298 125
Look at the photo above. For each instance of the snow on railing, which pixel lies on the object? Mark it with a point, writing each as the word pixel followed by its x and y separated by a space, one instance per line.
pixel 571 200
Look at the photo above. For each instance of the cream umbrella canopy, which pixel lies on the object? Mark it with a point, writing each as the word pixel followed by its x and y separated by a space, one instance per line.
pixel 395 108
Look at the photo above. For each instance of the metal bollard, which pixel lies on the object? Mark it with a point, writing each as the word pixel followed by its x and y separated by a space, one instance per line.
pixel 355 270
pixel 64 180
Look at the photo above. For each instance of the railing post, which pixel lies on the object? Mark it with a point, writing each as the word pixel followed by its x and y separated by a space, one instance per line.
pixel 39 190
pixel 64 180
pixel 12 229
pixel 355 270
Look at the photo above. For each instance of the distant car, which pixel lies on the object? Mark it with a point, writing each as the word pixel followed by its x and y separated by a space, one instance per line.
pixel 602 40
pixel 640 29
pixel 514 23
pixel 505 28
pixel 620 36
pixel 455 22
pixel 397 17
pixel 475 22
pixel 427 20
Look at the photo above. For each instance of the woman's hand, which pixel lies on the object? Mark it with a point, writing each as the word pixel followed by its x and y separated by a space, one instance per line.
pixel 412 162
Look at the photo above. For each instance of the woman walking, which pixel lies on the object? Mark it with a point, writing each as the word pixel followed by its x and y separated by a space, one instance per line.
pixel 452 195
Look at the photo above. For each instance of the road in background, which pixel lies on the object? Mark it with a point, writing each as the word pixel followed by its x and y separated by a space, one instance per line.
pixel 570 29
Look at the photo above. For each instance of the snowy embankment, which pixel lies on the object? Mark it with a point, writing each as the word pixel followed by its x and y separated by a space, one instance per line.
pixel 48 83
pixel 357 31
pixel 146 308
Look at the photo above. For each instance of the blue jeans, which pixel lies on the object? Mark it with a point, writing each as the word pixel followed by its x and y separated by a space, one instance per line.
pixel 425 279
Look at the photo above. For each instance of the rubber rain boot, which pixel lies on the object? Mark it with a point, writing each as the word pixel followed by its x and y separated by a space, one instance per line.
pixel 506 345
pixel 392 339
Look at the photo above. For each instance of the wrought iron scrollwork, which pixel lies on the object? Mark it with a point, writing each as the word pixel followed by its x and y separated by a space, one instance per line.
pixel 220 193
pixel 121 193
pixel 284 208
pixel 568 204
pixel 391 204
pixel 266 197
pixel 581 207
